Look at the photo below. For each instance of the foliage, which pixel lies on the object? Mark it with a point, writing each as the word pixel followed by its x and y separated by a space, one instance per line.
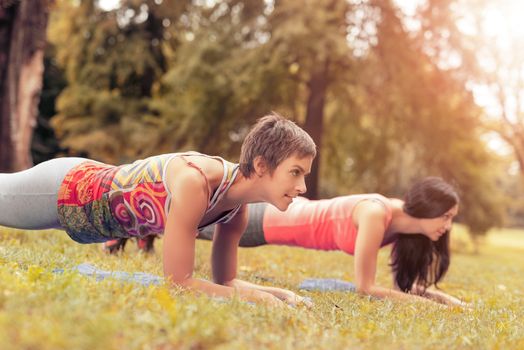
pixel 112 61
pixel 212 83
pixel 45 145
pixel 412 119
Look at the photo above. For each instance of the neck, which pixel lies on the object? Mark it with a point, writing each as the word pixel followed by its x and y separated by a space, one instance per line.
pixel 402 222
pixel 244 190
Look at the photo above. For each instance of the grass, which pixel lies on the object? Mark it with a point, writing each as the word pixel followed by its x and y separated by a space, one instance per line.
pixel 43 310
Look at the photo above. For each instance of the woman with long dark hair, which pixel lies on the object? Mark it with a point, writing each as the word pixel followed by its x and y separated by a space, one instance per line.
pixel 418 227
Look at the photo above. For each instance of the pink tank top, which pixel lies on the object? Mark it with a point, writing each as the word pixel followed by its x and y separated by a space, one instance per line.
pixel 319 224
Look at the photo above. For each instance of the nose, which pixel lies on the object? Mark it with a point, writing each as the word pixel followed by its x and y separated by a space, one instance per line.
pixel 301 186
pixel 449 223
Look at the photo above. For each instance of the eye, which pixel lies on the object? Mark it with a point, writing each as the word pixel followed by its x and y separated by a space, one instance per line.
pixel 295 172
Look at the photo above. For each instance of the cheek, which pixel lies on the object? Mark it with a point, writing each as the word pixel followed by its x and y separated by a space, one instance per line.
pixel 283 180
pixel 433 225
pixel 280 183
pixel 277 175
pixel 441 224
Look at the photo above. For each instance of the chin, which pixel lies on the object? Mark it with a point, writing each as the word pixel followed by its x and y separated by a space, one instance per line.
pixel 435 238
pixel 281 206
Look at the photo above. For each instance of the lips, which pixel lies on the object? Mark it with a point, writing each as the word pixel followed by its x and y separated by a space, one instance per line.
pixel 290 197
pixel 440 233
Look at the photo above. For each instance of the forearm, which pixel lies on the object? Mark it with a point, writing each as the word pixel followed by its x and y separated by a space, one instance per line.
pixel 381 292
pixel 206 287
pixel 283 294
pixel 236 283
pixel 441 297
pixel 222 291
pixel 244 284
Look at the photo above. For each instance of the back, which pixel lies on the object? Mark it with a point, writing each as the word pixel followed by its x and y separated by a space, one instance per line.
pixel 319 224
pixel 97 202
pixel 105 201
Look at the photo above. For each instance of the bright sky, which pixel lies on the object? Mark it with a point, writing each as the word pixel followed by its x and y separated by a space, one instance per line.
pixel 108 4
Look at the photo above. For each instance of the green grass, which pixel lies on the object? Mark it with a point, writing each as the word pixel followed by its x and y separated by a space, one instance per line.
pixel 43 310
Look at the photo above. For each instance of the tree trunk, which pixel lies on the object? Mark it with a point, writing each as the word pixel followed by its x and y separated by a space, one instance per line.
pixel 314 121
pixel 22 40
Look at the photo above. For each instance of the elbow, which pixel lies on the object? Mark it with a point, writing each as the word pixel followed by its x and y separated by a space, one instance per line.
pixel 364 289
pixel 372 291
pixel 230 283
pixel 182 283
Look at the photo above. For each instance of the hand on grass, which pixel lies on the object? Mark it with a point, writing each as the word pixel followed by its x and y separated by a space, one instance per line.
pixel 452 301
pixel 260 297
pixel 260 293
pixel 465 305
pixel 292 298
pixel 272 300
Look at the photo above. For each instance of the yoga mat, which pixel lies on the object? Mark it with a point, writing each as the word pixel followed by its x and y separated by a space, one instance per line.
pixel 327 284
pixel 142 278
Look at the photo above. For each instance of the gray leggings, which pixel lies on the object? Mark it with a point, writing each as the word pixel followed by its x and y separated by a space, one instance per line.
pixel 253 235
pixel 28 199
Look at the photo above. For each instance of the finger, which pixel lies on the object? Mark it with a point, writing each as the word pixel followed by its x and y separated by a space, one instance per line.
pixel 307 301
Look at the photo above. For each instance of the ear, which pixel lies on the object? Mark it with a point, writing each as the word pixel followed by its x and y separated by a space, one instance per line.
pixel 260 166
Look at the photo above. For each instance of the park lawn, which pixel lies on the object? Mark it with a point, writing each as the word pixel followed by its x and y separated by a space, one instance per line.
pixel 43 310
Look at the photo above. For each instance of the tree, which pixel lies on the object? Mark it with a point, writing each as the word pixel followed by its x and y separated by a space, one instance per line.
pixel 407 117
pixel 45 145
pixel 382 116
pixel 221 79
pixel 380 107
pixel 113 61
pixel 22 40
pixel 313 35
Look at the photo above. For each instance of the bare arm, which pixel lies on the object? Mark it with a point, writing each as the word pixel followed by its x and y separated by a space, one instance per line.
pixel 438 296
pixel 188 205
pixel 225 247
pixel 285 295
pixel 224 260
pixel 370 217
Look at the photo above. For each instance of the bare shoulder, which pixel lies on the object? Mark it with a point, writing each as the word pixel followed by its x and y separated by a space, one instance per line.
pixel 183 178
pixel 368 210
pixel 193 167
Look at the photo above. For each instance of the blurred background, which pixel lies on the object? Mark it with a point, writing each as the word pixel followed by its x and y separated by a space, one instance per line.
pixel 391 91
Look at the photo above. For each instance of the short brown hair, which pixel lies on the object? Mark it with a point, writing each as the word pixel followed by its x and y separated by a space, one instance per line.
pixel 274 138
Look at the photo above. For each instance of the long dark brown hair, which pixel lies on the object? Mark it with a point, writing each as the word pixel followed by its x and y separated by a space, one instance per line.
pixel 415 258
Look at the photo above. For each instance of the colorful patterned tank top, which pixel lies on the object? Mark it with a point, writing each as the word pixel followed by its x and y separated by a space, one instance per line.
pixel 98 202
